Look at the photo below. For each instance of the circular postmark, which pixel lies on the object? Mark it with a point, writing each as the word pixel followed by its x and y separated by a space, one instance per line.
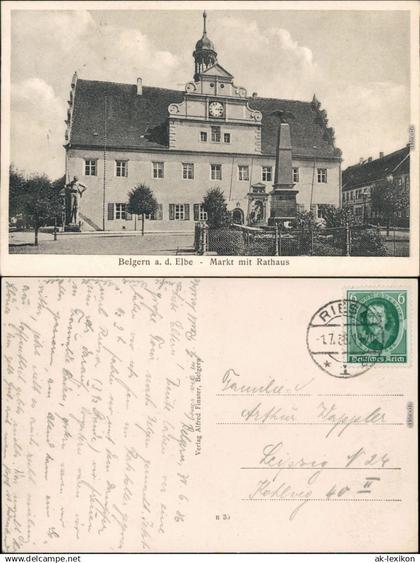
pixel 330 331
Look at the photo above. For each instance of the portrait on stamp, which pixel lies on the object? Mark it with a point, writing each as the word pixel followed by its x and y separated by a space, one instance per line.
pixel 378 328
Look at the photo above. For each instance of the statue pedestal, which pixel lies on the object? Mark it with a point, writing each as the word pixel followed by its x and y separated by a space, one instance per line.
pixel 72 228
pixel 283 204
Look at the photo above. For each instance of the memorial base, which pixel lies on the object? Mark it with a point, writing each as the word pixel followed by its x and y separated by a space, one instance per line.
pixel 282 204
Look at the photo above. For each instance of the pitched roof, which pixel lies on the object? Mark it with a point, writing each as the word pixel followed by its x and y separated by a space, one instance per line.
pixel 397 162
pixel 140 121
pixel 306 129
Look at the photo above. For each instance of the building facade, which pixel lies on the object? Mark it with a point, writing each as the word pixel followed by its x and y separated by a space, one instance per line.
pixel 182 143
pixel 360 181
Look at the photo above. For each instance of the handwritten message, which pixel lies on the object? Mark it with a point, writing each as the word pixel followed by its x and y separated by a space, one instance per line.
pixel 102 404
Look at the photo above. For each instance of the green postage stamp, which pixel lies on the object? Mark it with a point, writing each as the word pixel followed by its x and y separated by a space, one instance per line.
pixel 377 327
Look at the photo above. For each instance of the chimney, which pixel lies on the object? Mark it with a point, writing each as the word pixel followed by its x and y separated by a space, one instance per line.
pixel 370 159
pixel 139 86
pixel 361 159
pixel 381 154
pixel 254 94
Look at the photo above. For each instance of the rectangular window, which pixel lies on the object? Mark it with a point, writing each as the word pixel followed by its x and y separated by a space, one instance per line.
pixel 188 171
pixel 90 167
pixel 215 134
pixel 322 175
pixel 199 213
pixel 121 168
pixel 216 171
pixel 295 174
pixel 243 172
pixel 120 211
pixel 158 169
pixel 203 214
pixel 179 211
pixel 266 173
pixel 226 137
pixel 203 136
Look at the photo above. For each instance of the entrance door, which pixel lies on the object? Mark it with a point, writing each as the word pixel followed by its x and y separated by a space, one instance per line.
pixel 238 216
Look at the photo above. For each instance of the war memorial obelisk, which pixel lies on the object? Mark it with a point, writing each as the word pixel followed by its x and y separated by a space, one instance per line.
pixel 283 196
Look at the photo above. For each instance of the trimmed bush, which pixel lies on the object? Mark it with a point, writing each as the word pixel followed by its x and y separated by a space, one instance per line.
pixel 261 247
pixel 367 243
pixel 326 249
pixel 226 242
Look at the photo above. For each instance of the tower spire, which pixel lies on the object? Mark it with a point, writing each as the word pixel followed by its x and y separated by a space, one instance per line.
pixel 204 54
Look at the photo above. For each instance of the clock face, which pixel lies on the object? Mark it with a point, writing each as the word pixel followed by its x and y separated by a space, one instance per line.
pixel 216 109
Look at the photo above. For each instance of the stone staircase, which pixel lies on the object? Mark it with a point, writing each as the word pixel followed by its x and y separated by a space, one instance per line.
pixel 91 224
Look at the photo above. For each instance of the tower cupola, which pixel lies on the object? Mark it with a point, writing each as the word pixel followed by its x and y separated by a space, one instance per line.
pixel 204 54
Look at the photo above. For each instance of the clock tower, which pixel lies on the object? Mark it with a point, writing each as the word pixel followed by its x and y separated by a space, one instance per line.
pixel 204 54
pixel 214 115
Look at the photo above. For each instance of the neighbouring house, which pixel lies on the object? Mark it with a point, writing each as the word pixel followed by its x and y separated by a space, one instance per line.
pixel 181 143
pixel 388 172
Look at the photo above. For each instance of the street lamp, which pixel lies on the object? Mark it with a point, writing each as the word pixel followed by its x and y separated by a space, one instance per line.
pixel 390 179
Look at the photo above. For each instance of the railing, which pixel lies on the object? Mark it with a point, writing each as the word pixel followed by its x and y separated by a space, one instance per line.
pixel 354 240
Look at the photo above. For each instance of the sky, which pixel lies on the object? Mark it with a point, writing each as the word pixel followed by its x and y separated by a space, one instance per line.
pixel 356 62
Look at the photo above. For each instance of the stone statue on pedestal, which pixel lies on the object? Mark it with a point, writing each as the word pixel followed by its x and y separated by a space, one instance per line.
pixel 74 190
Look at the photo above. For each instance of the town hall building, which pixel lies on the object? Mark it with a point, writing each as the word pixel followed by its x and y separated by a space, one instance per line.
pixel 183 143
